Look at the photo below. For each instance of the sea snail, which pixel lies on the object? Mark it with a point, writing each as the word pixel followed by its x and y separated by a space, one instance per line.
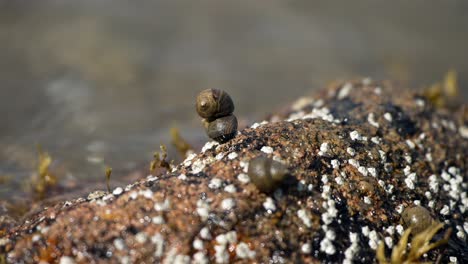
pixel 216 107
pixel 222 129
pixel 416 217
pixel 214 103
pixel 266 174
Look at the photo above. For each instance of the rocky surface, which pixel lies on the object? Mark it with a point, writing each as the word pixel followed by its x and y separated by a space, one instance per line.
pixel 358 154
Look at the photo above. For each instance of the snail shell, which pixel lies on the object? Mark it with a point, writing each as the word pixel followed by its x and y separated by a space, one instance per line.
pixel 214 103
pixel 416 217
pixel 266 174
pixel 222 129
pixel 366 188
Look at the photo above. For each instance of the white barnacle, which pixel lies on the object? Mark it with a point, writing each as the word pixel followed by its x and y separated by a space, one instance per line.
pixel 445 210
pixel 410 144
pixel 375 140
pixel 354 163
pixel 363 170
pixel 327 246
pixel 302 214
pixel 232 155
pixel 230 188
pixel 388 117
pixel 189 159
pixel 203 209
pixel 355 135
pixel 198 244
pixel 463 130
pixel 244 178
pixel 228 204
pixel 269 205
pixel 209 145
pixel 351 151
pixel 117 191
pixel 371 120
pixel 158 241
pixel 373 239
pixel 335 163
pixel 162 206
pixel 205 233
pixel 200 258
pixel 220 156
pixel 372 171
pixel 243 251
pixel 344 91
pixel 267 149
pixel 215 183
pixel 197 166
pixel 324 147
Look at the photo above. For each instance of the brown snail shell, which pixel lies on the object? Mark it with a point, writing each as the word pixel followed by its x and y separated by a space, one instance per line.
pixel 416 217
pixel 214 103
pixel 223 128
pixel 266 174
pixel 365 188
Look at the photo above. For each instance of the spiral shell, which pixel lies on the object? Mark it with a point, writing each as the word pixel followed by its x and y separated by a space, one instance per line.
pixel 266 174
pixel 214 103
pixel 222 129
pixel 416 217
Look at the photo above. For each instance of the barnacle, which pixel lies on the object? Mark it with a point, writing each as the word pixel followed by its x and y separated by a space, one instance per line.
pixel 420 244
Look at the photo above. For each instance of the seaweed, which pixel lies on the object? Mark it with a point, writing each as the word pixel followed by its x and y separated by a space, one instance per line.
pixel 182 146
pixel 159 160
pixel 108 175
pixel 420 245
pixel 44 180
pixel 440 93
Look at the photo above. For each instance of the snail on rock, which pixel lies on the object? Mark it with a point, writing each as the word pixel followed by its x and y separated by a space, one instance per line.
pixel 222 129
pixel 216 108
pixel 416 217
pixel 214 103
pixel 267 174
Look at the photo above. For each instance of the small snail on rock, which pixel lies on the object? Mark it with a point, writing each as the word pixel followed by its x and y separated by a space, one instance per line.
pixel 223 128
pixel 214 103
pixel 266 174
pixel 216 108
pixel 416 217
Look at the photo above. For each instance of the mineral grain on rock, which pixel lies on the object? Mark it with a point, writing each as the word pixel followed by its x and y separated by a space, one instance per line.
pixel 358 155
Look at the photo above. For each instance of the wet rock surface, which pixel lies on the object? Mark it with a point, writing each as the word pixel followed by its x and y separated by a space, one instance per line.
pixel 358 154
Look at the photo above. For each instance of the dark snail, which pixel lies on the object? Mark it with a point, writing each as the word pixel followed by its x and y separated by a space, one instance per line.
pixel 416 217
pixel 214 103
pixel 266 174
pixel 222 129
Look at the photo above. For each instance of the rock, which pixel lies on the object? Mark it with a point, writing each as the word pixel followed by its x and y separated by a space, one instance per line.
pixel 353 133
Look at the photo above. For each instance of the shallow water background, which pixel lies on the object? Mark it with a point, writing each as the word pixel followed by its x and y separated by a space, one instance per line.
pixel 99 83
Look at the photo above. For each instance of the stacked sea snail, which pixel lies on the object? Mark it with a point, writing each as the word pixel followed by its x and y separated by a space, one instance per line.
pixel 216 108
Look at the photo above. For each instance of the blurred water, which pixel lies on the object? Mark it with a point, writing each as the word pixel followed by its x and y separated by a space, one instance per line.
pixel 100 83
